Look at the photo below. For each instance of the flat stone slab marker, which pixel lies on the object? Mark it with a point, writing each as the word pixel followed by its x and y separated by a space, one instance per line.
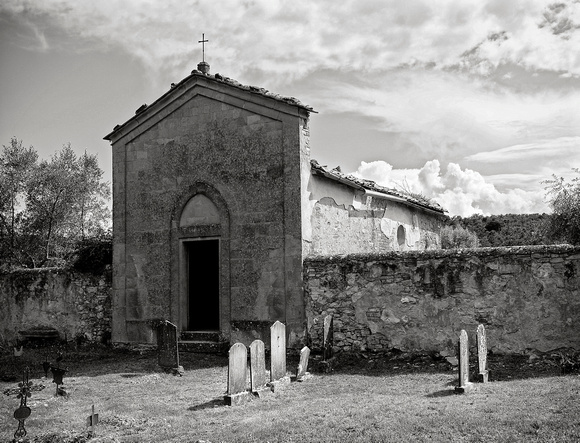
pixel 237 375
pixel 464 384
pixel 483 375
pixel 258 369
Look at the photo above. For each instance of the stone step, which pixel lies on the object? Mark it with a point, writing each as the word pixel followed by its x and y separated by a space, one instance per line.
pixel 203 346
pixel 209 336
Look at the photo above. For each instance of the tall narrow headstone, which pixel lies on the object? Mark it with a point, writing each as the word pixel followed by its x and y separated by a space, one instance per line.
pixel 327 338
pixel 464 385
pixel 483 375
pixel 258 368
pixel 237 374
pixel 301 373
pixel 167 347
pixel 277 351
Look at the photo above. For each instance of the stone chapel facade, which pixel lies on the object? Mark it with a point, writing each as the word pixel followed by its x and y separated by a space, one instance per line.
pixel 216 202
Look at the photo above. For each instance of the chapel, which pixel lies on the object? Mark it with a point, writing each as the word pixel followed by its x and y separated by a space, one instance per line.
pixel 216 203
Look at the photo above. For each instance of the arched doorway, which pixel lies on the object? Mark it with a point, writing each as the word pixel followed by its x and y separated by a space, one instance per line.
pixel 201 263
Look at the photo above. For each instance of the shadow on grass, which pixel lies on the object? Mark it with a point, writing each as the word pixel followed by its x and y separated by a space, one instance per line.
pixel 443 393
pixel 215 403
pixel 501 367
pixel 99 361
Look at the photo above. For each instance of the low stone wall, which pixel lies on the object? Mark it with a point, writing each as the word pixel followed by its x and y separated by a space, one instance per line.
pixel 527 298
pixel 76 305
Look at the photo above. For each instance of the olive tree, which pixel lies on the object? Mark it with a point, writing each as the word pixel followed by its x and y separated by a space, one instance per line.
pixel 47 207
pixel 564 198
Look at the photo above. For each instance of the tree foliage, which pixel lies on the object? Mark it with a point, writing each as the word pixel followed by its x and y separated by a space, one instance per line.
pixel 506 229
pixel 16 166
pixel 457 237
pixel 48 206
pixel 564 197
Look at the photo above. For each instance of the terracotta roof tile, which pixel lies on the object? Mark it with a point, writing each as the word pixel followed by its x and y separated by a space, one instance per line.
pixel 361 183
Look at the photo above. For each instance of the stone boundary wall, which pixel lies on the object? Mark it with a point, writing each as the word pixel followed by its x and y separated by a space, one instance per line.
pixel 77 305
pixel 527 298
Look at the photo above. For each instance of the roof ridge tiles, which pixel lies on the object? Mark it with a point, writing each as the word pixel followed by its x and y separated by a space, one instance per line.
pixel 373 186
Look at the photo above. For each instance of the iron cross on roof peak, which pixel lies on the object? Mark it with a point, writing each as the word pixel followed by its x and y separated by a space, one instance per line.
pixel 203 41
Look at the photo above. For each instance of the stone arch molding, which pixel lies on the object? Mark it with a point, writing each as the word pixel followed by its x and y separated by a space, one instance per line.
pixel 199 210
pixel 200 205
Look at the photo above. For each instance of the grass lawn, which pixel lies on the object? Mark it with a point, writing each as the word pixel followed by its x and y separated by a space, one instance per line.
pixel 365 399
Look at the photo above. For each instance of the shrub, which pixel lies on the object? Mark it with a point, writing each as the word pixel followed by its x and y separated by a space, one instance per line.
pixel 565 201
pixel 456 237
pixel 92 255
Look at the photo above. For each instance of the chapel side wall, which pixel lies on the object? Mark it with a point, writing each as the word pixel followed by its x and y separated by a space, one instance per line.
pixel 346 221
pixel 119 302
pixel 297 160
pixel 250 156
pixel 527 298
pixel 77 305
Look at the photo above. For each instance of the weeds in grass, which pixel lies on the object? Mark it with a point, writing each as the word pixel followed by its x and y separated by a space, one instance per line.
pixel 363 399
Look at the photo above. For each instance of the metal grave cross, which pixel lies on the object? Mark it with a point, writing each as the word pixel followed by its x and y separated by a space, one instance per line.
pixel 203 41
pixel 23 412
pixel 92 421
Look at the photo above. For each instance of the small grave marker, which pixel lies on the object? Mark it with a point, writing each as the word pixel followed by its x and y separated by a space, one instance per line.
pixel 483 375
pixel 92 421
pixel 327 338
pixel 278 351
pixel 301 373
pixel 167 346
pixel 57 378
pixel 237 375
pixel 23 412
pixel 46 366
pixel 464 384
pixel 258 369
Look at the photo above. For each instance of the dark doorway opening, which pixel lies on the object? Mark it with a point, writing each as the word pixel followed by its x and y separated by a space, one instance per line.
pixel 203 285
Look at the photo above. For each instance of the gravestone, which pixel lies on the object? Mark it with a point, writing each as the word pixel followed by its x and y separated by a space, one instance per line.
pixel 167 347
pixel 483 375
pixel 464 385
pixel 327 338
pixel 301 373
pixel 258 369
pixel 237 375
pixel 57 378
pixel 277 351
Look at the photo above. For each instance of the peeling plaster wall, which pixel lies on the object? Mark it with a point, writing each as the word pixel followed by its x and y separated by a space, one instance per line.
pixel 527 297
pixel 72 303
pixel 346 221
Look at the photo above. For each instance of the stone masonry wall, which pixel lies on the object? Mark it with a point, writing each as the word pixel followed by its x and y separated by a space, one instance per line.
pixel 76 305
pixel 243 152
pixel 527 298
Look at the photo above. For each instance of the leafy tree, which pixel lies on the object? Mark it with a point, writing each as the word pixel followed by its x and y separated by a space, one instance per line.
pixel 565 202
pixel 506 229
pixel 64 201
pixel 93 193
pixel 493 225
pixel 456 237
pixel 16 165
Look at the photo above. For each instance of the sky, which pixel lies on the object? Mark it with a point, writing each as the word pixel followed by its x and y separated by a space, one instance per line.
pixel 473 103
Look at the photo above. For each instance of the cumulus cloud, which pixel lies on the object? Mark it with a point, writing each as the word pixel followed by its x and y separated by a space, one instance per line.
pixel 468 82
pixel 451 116
pixel 461 192
pixel 274 37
